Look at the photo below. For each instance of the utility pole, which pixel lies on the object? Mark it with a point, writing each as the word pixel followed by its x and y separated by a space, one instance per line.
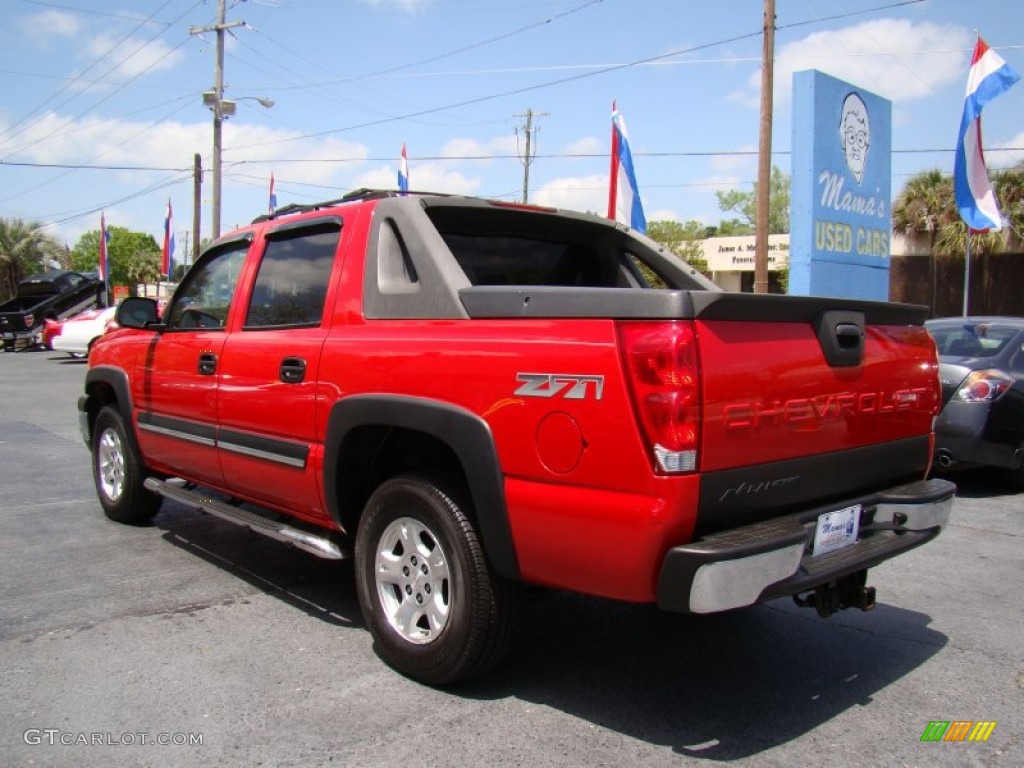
pixel 527 158
pixel 215 101
pixel 197 202
pixel 764 166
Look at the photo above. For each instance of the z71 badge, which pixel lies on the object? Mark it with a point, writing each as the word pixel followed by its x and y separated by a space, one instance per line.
pixel 569 386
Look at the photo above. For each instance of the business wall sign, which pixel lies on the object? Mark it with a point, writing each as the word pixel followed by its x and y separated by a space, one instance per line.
pixel 840 220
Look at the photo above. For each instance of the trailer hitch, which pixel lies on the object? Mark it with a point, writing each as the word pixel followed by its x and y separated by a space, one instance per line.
pixel 847 592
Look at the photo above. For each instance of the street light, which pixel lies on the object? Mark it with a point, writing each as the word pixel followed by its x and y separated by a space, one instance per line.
pixel 222 109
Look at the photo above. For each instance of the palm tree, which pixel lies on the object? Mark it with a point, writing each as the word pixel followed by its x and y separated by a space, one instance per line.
pixel 923 207
pixel 1009 188
pixel 927 206
pixel 24 248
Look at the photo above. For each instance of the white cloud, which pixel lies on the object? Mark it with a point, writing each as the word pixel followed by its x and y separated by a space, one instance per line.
pixel 426 177
pixel 96 141
pixel 587 146
pixel 133 56
pixel 471 148
pixel 42 27
pixel 408 7
pixel 998 156
pixel 895 58
pixel 581 193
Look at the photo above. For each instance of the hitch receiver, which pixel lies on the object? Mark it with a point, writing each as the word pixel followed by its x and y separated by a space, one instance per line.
pixel 847 592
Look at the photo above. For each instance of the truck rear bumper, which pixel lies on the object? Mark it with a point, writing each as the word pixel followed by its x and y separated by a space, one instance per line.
pixel 762 561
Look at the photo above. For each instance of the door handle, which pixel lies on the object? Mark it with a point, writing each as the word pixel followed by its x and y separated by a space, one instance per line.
pixel 207 364
pixel 293 370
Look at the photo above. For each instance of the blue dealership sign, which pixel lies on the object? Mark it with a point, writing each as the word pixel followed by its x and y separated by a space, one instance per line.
pixel 839 217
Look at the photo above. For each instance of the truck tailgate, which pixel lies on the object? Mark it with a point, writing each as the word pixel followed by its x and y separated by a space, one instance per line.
pixel 786 423
pixel 769 393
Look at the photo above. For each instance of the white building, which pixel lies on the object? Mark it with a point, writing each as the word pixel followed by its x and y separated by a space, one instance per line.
pixel 731 259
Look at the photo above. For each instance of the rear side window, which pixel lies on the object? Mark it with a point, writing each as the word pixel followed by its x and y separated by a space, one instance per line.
pixel 291 285
pixel 525 261
pixel 980 340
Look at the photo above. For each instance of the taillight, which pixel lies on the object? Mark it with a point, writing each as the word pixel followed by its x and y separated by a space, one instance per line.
pixel 662 363
pixel 30 320
pixel 983 386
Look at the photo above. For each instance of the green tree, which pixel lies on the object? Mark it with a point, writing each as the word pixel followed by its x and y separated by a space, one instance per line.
pixel 733 228
pixel 684 240
pixel 745 205
pixel 1009 189
pixel 921 210
pixel 134 257
pixel 25 249
pixel 926 209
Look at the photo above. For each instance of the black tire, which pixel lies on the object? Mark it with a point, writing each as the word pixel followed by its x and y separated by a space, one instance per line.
pixel 437 612
pixel 118 473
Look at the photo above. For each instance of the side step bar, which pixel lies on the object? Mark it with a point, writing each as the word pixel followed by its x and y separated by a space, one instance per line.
pixel 321 546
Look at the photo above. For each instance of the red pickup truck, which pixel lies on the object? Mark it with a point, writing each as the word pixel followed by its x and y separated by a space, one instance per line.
pixel 467 396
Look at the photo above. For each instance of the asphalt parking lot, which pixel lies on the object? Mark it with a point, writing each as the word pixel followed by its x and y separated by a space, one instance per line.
pixel 235 650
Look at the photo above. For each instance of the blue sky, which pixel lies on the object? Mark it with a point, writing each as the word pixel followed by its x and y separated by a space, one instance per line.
pixel 119 85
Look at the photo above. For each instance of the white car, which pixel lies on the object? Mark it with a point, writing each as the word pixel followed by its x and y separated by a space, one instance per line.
pixel 79 332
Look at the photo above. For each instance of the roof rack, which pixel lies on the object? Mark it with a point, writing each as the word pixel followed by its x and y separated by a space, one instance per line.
pixel 363 193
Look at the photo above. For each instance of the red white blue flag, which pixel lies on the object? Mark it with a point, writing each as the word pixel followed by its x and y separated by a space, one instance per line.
pixel 988 78
pixel 403 171
pixel 272 200
pixel 167 263
pixel 624 204
pixel 104 237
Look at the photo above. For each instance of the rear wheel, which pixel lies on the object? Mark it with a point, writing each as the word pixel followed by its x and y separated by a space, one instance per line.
pixel 435 609
pixel 118 473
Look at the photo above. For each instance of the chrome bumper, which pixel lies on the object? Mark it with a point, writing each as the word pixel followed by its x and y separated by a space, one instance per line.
pixel 759 562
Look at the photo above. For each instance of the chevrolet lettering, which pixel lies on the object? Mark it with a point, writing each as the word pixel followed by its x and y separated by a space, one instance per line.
pixel 822 409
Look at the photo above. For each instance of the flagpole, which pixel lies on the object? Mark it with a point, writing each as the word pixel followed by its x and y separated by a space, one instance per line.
pixel 613 173
pixel 967 272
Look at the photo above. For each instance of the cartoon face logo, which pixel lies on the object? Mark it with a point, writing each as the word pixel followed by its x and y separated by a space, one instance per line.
pixel 855 135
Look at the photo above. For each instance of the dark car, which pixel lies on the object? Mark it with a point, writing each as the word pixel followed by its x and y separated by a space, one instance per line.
pixel 48 296
pixel 981 367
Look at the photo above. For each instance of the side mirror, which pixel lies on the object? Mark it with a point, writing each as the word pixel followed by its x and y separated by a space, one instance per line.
pixel 137 313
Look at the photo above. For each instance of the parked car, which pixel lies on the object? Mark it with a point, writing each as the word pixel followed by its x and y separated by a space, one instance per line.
pixel 51 295
pixel 51 328
pixel 79 332
pixel 981 367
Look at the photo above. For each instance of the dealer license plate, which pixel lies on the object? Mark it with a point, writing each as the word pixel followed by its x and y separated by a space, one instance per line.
pixel 836 530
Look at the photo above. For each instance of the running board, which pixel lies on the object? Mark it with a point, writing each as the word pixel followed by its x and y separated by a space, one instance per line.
pixel 321 546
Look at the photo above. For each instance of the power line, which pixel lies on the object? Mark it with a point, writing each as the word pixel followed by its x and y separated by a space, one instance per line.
pixel 559 81
pixel 98 59
pixel 305 82
pixel 145 128
pixel 91 11
pixel 463 158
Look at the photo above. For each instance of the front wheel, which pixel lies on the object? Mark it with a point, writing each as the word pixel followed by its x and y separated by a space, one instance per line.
pixel 118 472
pixel 435 609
